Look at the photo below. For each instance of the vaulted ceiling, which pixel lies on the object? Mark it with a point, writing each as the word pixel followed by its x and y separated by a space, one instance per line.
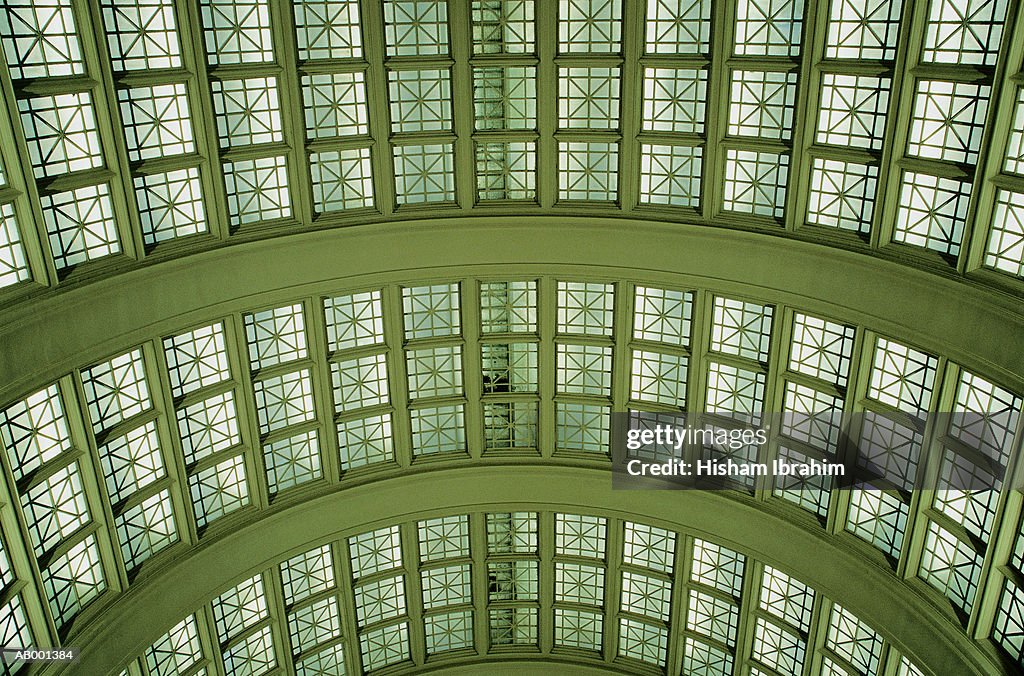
pixel 142 138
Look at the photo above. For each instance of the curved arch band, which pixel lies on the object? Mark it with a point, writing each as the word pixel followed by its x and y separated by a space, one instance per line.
pixel 976 327
pixel 868 590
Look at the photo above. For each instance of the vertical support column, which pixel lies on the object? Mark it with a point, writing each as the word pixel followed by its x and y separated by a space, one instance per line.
pixel 814 32
pixel 247 412
pixel 377 104
pixel 460 33
pixel 347 606
pixel 109 126
pixel 546 545
pixel 274 593
pixel 897 124
pixel 547 102
pixel 747 624
pixel 316 343
pixel 282 27
pixel 479 582
pixel 391 305
pixel 631 101
pixel 472 367
pixel 170 444
pixel 680 600
pixel 989 174
pixel 547 302
pixel 413 593
pixel 21 189
pixel 204 126
pixel 613 589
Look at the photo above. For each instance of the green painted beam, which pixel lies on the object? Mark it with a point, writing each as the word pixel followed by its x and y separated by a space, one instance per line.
pixel 900 612
pixel 64 329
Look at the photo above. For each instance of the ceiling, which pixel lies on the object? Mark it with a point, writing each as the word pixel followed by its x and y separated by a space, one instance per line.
pixel 137 132
pixel 890 130
pixel 119 468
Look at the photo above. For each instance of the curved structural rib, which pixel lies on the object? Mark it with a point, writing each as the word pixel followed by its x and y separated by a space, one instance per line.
pixel 976 327
pixel 869 591
pixel 958 330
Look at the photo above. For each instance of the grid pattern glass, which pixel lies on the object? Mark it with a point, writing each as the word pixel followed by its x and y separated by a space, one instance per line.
pixel 588 98
pixel 948 120
pixel 508 307
pixel 342 179
pixel 821 348
pixel 902 377
pixel 416 27
pixel 40 40
pixel 853 110
pixel 424 173
pixel 196 359
pixel 932 212
pixel 963 31
pixel 116 390
pixel 768 27
pixel 335 105
pixel 582 427
pixel 762 104
pixel 170 205
pixel 741 328
pixel 1005 248
pixel 506 170
pixel 951 566
pixel 502 26
pixel 420 100
pixel 674 99
pixel 670 174
pixel 588 170
pixel 328 29
pixel 141 34
pixel 438 430
pixel 359 382
pixel 354 320
pixel 662 315
pixel 237 31
pixel 585 308
pixel 80 225
pixel 589 26
pixel 292 461
pixel 755 182
pixel 257 190
pixel 842 194
pixel 34 431
pixel 863 29
pixel 505 97
pixel 219 490
pixel 431 311
pixel 678 27
pixel 248 111
pixel 61 133
pixel 365 441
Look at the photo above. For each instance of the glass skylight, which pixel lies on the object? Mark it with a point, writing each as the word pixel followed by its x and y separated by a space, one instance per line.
pixel 320 619
pixel 120 149
pixel 380 118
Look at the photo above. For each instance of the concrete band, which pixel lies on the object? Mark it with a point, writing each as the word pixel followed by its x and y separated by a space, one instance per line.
pixel 905 615
pixel 47 337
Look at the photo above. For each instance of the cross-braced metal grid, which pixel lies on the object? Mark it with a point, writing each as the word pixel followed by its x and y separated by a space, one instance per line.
pixel 152 128
pixel 163 445
pixel 144 129
pixel 563 585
